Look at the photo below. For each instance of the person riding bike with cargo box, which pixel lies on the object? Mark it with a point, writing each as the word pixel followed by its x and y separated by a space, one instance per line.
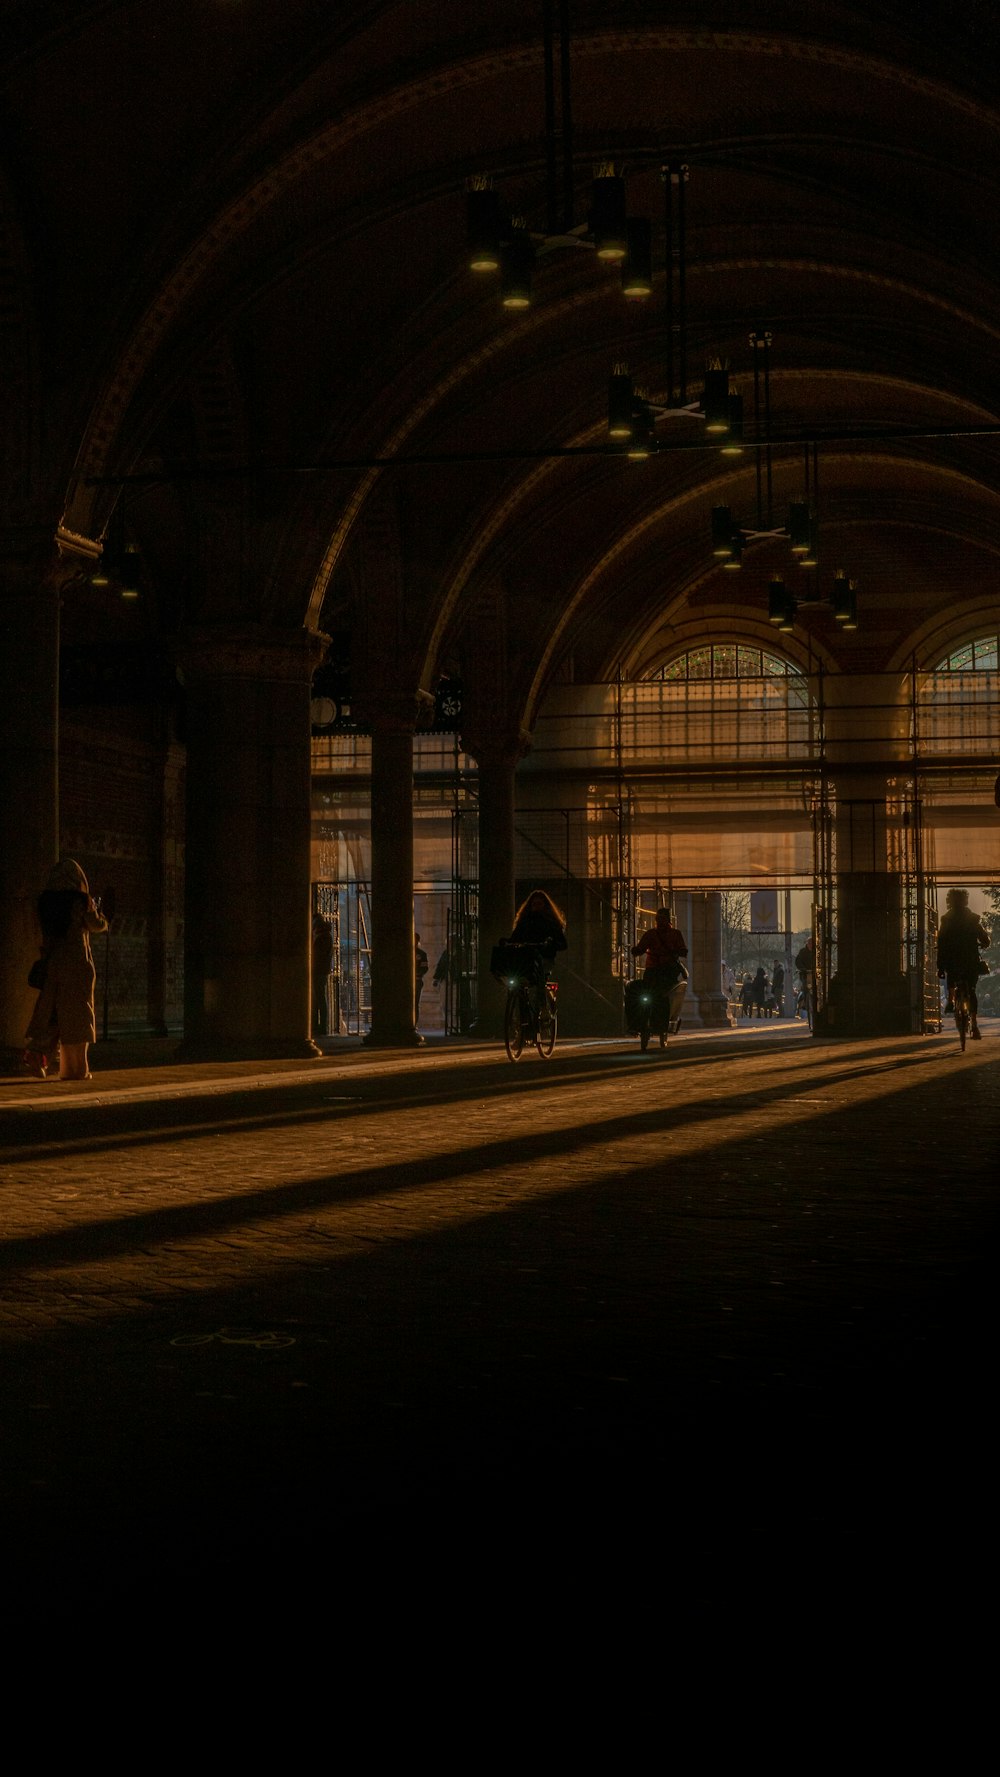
pixel 664 947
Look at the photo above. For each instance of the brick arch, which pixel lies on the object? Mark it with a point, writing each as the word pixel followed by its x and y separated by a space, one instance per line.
pixel 946 631
pixel 166 301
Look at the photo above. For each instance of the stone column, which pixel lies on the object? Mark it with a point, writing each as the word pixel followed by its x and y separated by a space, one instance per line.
pixel 32 573
pixel 247 913
pixel 869 993
pixel 493 732
pixel 699 916
pixel 392 720
pixel 866 751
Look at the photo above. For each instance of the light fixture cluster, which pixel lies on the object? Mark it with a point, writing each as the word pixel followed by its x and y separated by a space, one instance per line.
pixel 801 532
pixel 501 242
pixel 632 416
pixel 783 605
pixel 802 535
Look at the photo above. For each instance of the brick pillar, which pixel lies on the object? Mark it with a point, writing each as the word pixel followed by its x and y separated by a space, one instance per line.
pixel 867 752
pixel 247 883
pixel 869 994
pixel 705 960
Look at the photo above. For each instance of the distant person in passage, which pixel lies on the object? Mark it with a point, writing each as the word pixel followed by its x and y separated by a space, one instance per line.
pixel 759 991
pixel 961 936
pixel 322 959
pixel 448 973
pixel 420 968
pixel 778 988
pixel 805 963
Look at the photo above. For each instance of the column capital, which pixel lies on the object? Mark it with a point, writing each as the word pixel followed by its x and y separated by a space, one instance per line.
pixel 248 651
pixel 506 747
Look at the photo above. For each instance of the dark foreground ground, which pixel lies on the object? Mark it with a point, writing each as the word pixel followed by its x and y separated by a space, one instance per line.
pixel 383 1338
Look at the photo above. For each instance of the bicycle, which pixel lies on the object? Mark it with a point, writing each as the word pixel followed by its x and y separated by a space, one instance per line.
pixel 531 1014
pixel 646 1024
pixel 654 1009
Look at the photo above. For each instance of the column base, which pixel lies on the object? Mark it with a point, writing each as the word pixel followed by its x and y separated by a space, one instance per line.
pixel 267 1049
pixel 381 1039
pixel 706 1011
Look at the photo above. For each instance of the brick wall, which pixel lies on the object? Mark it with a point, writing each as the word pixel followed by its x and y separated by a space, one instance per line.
pixel 121 801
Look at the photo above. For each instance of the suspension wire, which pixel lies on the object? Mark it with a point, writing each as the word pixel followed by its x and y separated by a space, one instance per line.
pixel 551 188
pixel 525 454
pixel 567 115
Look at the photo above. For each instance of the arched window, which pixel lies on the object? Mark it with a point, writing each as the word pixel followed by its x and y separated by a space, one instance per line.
pixel 959 701
pixel 734 700
pixel 727 660
pixel 978 656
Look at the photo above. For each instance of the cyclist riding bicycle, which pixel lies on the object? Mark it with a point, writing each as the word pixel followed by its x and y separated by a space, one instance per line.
pixel 539 921
pixel 961 936
pixel 663 947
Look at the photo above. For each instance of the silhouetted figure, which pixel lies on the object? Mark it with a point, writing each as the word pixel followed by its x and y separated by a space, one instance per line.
pixel 322 958
pixel 539 921
pixel 758 992
pixel 448 971
pixel 420 968
pixel 805 963
pixel 961 936
pixel 663 945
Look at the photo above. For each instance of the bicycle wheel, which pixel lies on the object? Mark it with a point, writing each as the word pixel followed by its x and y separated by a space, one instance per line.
pixel 644 1030
pixel 961 1002
pixel 513 1025
pixel 545 1029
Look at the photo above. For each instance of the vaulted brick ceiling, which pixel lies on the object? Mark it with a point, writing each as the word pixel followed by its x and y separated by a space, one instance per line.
pixel 242 234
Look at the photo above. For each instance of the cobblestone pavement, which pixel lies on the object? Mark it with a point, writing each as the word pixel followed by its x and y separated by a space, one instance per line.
pixel 657 1321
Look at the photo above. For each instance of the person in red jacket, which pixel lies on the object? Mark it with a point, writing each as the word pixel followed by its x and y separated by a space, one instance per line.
pixel 664 946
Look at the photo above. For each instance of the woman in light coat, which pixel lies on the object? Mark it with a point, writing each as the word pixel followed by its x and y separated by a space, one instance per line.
pixel 64 1011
